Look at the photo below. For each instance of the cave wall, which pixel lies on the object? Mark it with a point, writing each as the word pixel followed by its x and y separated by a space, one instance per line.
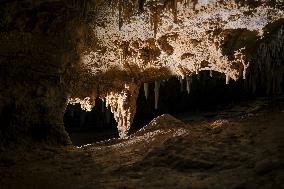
pixel 57 52
pixel 38 48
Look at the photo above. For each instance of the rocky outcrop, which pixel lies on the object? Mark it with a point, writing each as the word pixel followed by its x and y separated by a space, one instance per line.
pixel 38 46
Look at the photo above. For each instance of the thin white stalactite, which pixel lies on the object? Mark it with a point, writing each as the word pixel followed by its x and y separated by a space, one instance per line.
pixel 211 73
pixel 146 90
pixel 157 91
pixel 188 84
pixel 227 79
pixel 181 83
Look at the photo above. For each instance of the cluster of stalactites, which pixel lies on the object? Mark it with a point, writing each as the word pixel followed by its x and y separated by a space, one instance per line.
pixel 188 81
pixel 123 106
pixel 122 103
pixel 154 6
pixel 269 70
pixel 85 103
pixel 156 90
pixel 107 112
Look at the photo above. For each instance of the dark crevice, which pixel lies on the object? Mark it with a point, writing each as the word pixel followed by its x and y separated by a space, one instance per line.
pixel 207 94
pixel 89 127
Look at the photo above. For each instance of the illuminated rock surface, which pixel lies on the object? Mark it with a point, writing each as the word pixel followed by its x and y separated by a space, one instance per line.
pixel 55 52
pixel 157 40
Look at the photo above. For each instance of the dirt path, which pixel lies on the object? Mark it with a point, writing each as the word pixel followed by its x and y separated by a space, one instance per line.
pixel 241 147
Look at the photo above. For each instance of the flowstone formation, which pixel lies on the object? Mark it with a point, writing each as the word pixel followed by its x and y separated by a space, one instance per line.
pixel 151 40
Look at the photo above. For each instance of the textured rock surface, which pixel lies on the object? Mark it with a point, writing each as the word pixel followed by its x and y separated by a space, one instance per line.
pixel 152 40
pixel 37 48
pixel 53 52
pixel 248 153
pixel 183 37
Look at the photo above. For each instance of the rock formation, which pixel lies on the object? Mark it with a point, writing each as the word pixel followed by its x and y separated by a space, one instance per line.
pixel 58 52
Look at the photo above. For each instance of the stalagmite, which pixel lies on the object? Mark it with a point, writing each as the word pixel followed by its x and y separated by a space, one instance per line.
pixel 188 84
pixel 157 90
pixel 146 90
pixel 227 79
pixel 123 106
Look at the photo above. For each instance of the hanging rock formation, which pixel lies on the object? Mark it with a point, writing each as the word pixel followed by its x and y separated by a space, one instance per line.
pixel 157 93
pixel 167 38
pixel 146 90
pixel 123 106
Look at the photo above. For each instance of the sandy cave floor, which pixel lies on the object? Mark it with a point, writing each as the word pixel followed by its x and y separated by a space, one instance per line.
pixel 241 146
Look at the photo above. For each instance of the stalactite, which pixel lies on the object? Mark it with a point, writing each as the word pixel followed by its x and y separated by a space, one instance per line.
pixel 211 73
pixel 86 104
pixel 245 71
pixel 157 91
pixel 146 90
pixel 227 79
pixel 267 70
pixel 123 106
pixel 188 84
pixel 181 84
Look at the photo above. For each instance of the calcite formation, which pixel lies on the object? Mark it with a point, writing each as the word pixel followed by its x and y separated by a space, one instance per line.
pixel 123 105
pixel 55 52
pixel 150 40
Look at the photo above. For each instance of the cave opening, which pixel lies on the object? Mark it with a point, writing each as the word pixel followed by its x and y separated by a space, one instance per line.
pixel 88 127
pixel 206 94
pixel 209 93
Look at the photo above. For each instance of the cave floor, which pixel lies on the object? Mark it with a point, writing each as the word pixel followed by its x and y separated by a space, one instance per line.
pixel 239 147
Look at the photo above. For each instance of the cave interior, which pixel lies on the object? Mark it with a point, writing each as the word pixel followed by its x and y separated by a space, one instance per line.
pixel 141 94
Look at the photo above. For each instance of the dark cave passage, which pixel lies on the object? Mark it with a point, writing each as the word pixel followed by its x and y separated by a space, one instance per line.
pixel 89 127
pixel 208 94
